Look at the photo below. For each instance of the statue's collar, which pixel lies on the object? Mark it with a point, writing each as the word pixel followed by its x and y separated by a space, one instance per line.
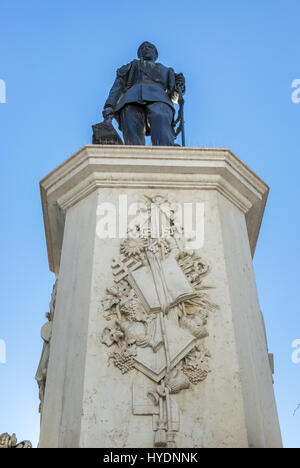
pixel 147 61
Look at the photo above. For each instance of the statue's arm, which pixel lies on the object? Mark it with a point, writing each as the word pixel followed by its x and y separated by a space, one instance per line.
pixel 171 83
pixel 116 91
pixel 114 94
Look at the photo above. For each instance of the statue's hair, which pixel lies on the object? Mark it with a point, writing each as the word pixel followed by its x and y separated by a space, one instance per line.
pixel 152 45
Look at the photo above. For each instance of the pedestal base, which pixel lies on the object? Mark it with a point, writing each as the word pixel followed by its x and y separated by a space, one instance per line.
pixel 89 403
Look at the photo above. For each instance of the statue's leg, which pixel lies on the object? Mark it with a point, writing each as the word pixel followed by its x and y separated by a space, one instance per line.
pixel 133 124
pixel 160 117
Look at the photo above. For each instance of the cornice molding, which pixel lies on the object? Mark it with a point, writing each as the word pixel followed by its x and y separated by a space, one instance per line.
pixel 95 166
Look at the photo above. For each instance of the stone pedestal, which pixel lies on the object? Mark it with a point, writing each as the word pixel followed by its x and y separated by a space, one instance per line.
pixel 89 403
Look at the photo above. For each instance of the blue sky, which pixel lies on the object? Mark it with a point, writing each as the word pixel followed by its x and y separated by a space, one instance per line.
pixel 58 60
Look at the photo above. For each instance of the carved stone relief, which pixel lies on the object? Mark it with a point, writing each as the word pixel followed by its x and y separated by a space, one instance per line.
pixel 157 310
pixel 46 332
pixel 10 441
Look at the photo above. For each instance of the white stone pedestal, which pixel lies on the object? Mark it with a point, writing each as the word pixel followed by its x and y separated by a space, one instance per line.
pixel 90 404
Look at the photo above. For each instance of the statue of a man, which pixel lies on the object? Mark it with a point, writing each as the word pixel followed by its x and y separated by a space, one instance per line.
pixel 141 99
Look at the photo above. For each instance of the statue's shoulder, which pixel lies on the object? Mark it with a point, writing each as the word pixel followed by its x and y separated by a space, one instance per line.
pixel 163 67
pixel 122 71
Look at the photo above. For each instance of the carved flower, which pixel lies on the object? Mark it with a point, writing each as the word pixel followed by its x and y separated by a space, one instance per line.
pixel 132 247
pixel 113 297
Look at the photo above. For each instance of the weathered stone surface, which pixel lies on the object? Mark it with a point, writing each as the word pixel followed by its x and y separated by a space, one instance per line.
pixel 90 404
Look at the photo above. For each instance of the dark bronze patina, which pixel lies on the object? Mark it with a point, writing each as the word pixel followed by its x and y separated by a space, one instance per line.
pixel 141 100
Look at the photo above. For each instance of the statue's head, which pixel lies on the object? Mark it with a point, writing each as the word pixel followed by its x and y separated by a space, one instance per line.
pixel 147 51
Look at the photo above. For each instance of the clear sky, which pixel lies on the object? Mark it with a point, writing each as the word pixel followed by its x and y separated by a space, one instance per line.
pixel 58 61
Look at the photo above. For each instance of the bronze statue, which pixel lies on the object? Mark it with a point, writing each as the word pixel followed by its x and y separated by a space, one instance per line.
pixel 141 100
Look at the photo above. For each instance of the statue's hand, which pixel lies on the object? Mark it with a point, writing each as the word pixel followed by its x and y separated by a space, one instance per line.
pixel 180 82
pixel 108 113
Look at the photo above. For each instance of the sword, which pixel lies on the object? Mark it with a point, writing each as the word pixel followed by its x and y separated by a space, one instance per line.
pixel 181 104
pixel 180 118
pixel 157 271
